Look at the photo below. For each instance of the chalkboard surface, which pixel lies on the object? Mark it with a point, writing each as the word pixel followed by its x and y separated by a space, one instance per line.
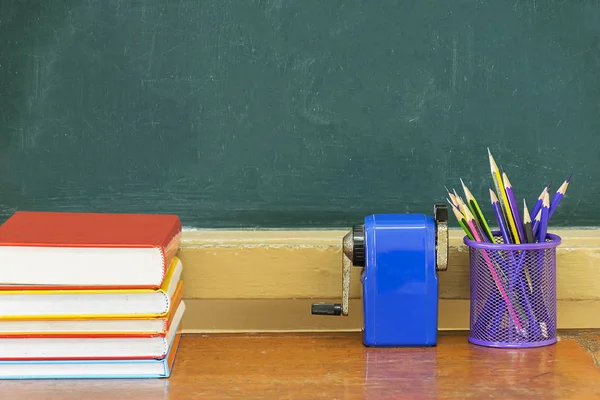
pixel 295 113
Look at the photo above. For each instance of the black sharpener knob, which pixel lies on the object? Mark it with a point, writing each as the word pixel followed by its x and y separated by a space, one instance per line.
pixel 326 309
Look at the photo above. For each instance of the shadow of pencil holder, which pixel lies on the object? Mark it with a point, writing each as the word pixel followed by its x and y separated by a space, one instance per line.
pixel 513 293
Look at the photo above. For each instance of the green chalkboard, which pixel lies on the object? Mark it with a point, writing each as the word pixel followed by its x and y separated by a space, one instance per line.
pixel 295 113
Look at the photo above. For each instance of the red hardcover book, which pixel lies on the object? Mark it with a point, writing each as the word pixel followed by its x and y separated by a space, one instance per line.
pixel 49 250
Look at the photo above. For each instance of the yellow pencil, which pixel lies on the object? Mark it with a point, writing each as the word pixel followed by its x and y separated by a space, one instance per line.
pixel 504 203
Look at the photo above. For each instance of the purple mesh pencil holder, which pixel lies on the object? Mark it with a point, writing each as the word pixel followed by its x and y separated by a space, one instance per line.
pixel 513 293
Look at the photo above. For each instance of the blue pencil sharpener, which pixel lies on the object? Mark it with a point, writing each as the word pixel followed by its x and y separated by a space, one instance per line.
pixel 400 256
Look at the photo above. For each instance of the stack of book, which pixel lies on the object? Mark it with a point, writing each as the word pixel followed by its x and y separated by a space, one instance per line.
pixel 89 295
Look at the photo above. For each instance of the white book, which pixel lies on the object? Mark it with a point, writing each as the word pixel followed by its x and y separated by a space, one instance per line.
pixel 91 347
pixel 111 326
pixel 56 304
pixel 92 369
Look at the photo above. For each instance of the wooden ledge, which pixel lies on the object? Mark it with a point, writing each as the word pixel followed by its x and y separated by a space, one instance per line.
pixel 229 271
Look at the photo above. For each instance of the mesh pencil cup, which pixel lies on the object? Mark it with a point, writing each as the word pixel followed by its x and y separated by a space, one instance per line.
pixel 513 293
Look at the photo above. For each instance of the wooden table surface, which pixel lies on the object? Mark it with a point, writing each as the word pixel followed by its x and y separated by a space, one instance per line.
pixel 337 366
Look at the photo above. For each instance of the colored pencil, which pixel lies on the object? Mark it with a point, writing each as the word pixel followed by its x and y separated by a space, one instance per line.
pixel 529 238
pixel 514 209
pixel 502 197
pixel 516 216
pixel 515 228
pixel 459 202
pixel 452 197
pixel 451 203
pixel 560 193
pixel 459 199
pixel 499 217
pixel 476 210
pixel 538 204
pixel 471 222
pixel 536 224
pixel 463 205
pixel 463 223
pixel 527 224
pixel 544 219
pixel 455 206
pixel 464 210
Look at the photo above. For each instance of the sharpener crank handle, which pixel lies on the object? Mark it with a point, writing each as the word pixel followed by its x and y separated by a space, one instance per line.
pixel 326 309
pixel 348 255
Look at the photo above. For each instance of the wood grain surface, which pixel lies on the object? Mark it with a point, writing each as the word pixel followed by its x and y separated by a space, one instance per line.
pixel 338 366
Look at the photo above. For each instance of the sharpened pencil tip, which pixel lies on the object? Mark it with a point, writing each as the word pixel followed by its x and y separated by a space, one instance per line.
pixel 493 165
pixel 467 213
pixel 546 201
pixel 505 180
pixel 526 216
pixel 457 213
pixel 464 187
pixel 569 178
pixel 493 196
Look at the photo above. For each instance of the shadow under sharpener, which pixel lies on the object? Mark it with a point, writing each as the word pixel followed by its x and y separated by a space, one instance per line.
pixel 400 256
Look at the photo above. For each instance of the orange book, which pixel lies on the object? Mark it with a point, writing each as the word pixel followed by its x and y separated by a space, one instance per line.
pixel 52 250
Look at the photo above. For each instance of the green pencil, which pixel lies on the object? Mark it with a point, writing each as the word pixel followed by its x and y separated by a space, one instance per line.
pixel 474 207
pixel 462 221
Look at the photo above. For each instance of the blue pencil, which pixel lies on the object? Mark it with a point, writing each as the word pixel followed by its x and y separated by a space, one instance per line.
pixel 499 217
pixel 514 209
pixel 544 219
pixel 536 223
pixel 538 204
pixel 560 193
